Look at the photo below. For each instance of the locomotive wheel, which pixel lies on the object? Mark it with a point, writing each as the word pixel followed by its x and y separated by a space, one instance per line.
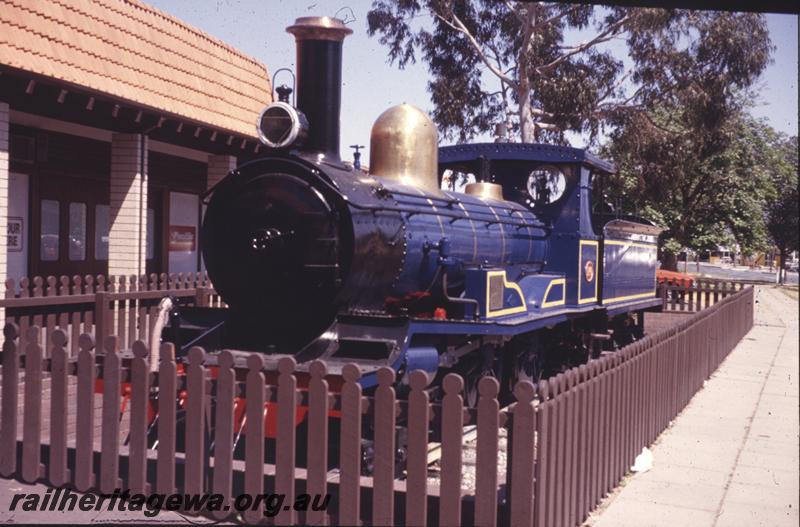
pixel 473 370
pixel 526 367
pixel 471 394
pixel 524 362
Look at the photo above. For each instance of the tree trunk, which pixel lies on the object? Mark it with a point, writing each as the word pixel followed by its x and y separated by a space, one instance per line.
pixel 669 261
pixel 782 265
pixel 526 127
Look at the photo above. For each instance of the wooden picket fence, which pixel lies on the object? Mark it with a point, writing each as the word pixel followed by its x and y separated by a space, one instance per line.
pixel 124 306
pixel 701 294
pixel 570 438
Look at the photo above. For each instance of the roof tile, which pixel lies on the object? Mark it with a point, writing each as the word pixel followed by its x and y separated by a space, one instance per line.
pixel 135 52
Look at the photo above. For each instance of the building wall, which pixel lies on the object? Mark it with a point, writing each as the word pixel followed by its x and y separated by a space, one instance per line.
pixel 4 158
pixel 218 168
pixel 19 224
pixel 128 205
pixel 76 170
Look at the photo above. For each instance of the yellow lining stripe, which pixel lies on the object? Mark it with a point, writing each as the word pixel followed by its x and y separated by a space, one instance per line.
pixel 556 281
pixel 629 297
pixel 580 270
pixel 506 284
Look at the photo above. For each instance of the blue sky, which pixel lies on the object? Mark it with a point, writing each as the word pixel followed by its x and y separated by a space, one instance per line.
pixel 371 84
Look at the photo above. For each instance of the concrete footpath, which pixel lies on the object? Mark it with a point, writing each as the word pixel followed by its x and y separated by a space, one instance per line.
pixel 731 457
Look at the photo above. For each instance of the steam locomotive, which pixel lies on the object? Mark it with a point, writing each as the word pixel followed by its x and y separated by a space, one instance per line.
pixel 318 259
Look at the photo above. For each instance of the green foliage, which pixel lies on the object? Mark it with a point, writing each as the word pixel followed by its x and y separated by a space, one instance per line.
pixel 509 61
pixel 782 209
pixel 708 187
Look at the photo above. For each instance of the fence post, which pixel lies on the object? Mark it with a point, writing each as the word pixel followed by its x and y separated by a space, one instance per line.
pixel 452 436
pixel 417 464
pixel 522 482
pixel 109 453
pixel 542 455
pixel 24 321
pixel 254 440
pixel 580 462
pixel 84 418
pixel 8 413
pixel 201 296
pixel 317 435
pixel 384 424
pixel 167 392
pixel 285 443
pixel 194 470
pixel 350 447
pixel 32 420
pixel 102 317
pixel 568 440
pixel 223 432
pixel 59 395
pixel 486 453
pixel 140 392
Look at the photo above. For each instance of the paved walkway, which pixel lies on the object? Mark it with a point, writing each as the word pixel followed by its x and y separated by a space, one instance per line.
pixel 731 457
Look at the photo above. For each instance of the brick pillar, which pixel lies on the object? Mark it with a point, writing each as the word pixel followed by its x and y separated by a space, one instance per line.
pixel 218 168
pixel 127 243
pixel 4 149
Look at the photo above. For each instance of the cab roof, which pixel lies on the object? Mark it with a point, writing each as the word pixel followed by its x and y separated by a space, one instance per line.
pixel 522 152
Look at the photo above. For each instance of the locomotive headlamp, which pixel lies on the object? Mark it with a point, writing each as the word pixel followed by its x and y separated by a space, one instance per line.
pixel 280 126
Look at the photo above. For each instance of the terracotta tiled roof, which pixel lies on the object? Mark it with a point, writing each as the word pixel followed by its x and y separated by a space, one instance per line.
pixel 130 50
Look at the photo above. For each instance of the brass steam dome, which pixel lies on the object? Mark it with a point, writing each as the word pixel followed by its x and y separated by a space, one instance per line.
pixel 485 190
pixel 404 147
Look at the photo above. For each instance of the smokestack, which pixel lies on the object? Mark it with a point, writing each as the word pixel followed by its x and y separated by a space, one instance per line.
pixel 319 79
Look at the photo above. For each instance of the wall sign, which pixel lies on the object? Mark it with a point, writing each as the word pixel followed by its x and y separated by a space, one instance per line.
pixel 16 234
pixel 182 238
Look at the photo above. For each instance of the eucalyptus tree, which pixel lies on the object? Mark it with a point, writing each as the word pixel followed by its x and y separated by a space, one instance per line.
pixel 516 61
pixel 782 211
pixel 709 187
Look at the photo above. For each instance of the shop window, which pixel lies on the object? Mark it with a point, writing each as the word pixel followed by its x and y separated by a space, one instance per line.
pixel 48 244
pixel 77 231
pixel 101 232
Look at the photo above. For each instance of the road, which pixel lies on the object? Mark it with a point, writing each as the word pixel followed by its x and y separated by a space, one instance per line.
pixel 729 272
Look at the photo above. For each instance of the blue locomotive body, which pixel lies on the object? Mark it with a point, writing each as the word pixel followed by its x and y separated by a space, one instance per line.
pixel 425 278
pixel 515 274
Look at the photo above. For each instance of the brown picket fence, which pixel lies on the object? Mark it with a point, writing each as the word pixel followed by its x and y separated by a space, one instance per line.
pixel 701 294
pixel 570 438
pixel 124 306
